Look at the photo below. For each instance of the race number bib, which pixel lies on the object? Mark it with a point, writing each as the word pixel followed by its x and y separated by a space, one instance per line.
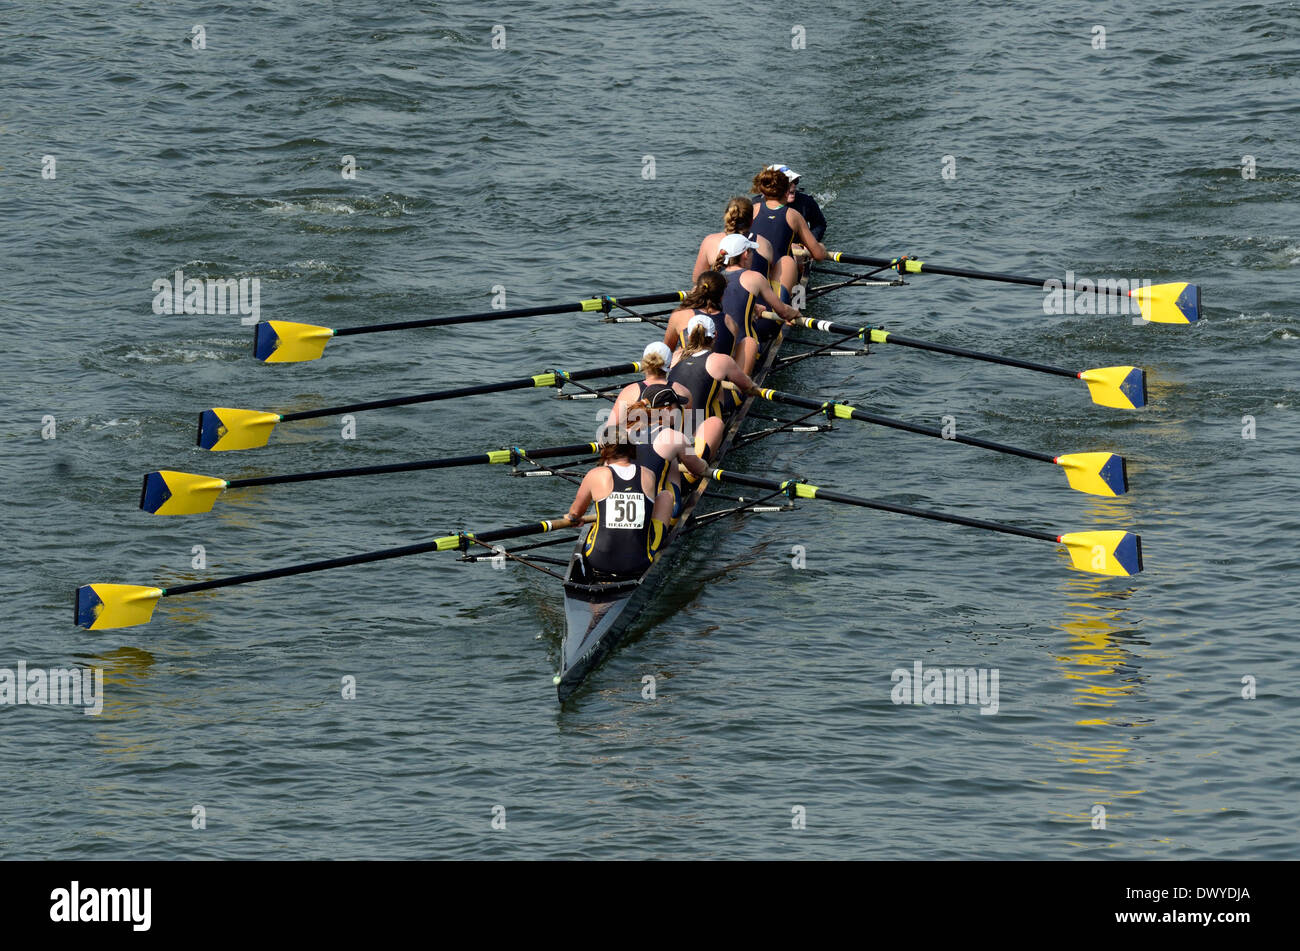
pixel 625 510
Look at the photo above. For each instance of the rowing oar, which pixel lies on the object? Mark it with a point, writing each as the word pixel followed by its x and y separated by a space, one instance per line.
pixel 222 428
pixel 1116 387
pixel 167 492
pixel 1177 303
pixel 1097 473
pixel 102 606
pixel 1104 553
pixel 283 341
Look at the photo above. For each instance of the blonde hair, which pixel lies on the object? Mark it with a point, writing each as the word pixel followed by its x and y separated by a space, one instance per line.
pixel 697 341
pixel 738 216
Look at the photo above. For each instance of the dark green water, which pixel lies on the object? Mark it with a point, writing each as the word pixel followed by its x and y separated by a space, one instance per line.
pixel 522 168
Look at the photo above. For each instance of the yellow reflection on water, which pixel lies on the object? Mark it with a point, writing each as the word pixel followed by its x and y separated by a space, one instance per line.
pixel 1096 659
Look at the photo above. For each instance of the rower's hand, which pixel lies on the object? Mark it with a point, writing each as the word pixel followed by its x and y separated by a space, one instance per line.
pixel 790 314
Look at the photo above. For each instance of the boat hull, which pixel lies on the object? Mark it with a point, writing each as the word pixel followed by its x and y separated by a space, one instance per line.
pixel 598 616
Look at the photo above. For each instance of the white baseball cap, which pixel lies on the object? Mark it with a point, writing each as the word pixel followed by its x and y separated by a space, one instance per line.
pixel 734 245
pixel 660 348
pixel 702 320
pixel 789 172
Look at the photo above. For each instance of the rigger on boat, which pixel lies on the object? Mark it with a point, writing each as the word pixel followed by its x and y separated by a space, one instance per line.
pixel 668 433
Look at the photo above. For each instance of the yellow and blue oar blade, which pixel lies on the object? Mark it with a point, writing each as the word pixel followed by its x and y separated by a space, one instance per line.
pixel 1097 473
pixel 179 493
pixel 282 341
pixel 1104 553
pixel 1117 387
pixel 222 428
pixel 103 606
pixel 1169 303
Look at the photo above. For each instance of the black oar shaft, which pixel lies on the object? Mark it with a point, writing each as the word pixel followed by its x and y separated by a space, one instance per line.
pixel 852 412
pixel 520 384
pixel 890 337
pixel 937 269
pixel 482 458
pixel 726 475
pixel 977 355
pixel 570 307
pixel 445 543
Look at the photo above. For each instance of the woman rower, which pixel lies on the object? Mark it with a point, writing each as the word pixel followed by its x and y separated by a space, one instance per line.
pixel 704 298
pixel 704 370
pixel 655 423
pixel 654 364
pixel 745 289
pixel 775 220
pixel 737 219
pixel 630 520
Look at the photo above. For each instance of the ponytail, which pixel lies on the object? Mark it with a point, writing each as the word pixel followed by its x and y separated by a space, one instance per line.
pixel 771 184
pixel 707 292
pixel 738 216
pixel 696 341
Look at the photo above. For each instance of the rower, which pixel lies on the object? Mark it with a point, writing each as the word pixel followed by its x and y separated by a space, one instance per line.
pixel 801 202
pixel 745 288
pixel 630 522
pixel 704 370
pixel 776 220
pixel 704 298
pixel 655 422
pixel 654 365
pixel 737 219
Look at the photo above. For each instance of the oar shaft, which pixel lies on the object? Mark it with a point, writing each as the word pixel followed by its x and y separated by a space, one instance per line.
pixel 977 355
pixel 923 268
pixel 445 543
pixel 594 303
pixel 883 336
pixel 724 475
pixel 482 458
pixel 845 411
pixel 550 378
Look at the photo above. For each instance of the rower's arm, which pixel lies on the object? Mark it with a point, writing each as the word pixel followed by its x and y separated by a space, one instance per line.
pixel 694 464
pixel 739 377
pixel 702 263
pixel 672 336
pixel 618 412
pixel 783 310
pixel 804 236
pixel 581 501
